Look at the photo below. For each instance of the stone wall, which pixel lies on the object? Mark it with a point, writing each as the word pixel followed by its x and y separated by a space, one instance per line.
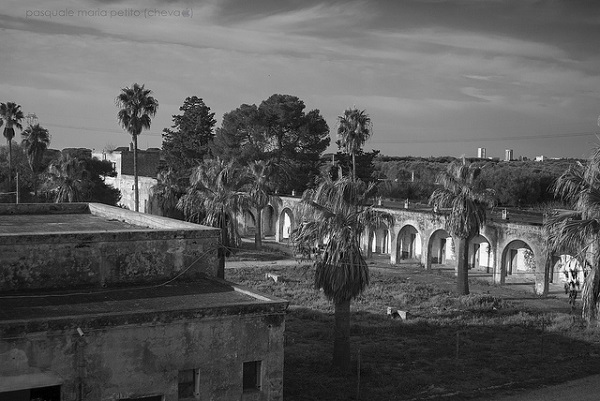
pixel 125 184
pixel 144 359
pixel 163 249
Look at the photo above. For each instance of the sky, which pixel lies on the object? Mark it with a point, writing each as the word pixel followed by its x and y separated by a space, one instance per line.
pixel 437 77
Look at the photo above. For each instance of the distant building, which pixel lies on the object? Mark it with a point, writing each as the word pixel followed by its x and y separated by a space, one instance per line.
pixel 540 158
pixel 122 160
pixel 508 155
pixel 481 153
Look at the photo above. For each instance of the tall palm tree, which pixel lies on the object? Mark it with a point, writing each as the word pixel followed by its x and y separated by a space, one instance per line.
pixel 461 192
pixel 354 129
pixel 137 106
pixel 334 210
pixel 259 191
pixel 66 177
pixel 12 116
pixel 215 197
pixel 577 230
pixel 35 141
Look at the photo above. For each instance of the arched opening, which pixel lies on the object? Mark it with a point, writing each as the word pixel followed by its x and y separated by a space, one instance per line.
pixel 380 240
pixel 481 257
pixel 441 249
pixel 409 245
pixel 518 262
pixel 268 221
pixel 566 267
pixel 286 224
pixel 249 223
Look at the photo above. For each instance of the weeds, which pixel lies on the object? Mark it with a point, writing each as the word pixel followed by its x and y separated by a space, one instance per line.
pixel 452 348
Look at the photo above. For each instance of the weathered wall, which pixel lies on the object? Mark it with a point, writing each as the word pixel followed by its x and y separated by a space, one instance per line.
pixel 135 360
pixel 166 248
pixel 125 184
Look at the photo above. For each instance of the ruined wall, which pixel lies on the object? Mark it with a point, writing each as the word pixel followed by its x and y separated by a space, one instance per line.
pixel 77 259
pixel 125 184
pixel 144 359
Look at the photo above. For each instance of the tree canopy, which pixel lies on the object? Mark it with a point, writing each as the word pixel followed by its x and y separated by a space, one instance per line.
pixel 188 141
pixel 278 131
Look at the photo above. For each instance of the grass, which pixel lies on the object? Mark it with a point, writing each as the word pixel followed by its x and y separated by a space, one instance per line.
pixel 451 347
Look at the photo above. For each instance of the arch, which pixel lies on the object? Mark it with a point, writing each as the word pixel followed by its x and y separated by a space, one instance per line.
pixel 286 224
pixel 409 244
pixel 269 221
pixel 248 223
pixel 565 267
pixel 380 239
pixel 481 254
pixel 518 261
pixel 441 248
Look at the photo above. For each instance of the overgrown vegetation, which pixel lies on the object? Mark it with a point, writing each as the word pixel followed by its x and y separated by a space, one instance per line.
pixel 451 347
pixel 516 183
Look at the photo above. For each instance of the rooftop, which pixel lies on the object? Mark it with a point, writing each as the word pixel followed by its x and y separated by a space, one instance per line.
pixel 128 304
pixel 61 223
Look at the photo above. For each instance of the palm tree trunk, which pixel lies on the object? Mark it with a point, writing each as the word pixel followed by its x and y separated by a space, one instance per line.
pixel 222 248
pixel 341 336
pixel 258 233
pixel 9 164
pixel 353 167
pixel 589 295
pixel 462 266
pixel 135 175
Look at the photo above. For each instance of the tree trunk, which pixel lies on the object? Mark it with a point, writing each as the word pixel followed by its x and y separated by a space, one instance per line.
pixel 341 336
pixel 589 295
pixel 223 247
pixel 462 266
pixel 135 175
pixel 258 233
pixel 353 167
pixel 9 164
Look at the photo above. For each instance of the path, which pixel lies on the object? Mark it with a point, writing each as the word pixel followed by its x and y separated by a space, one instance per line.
pixel 585 389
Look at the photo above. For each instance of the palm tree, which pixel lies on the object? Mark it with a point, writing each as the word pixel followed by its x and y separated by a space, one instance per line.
pixel 578 230
pixel 167 191
pixel 11 115
pixel 461 192
pixel 215 198
pixel 354 128
pixel 259 190
pixel 66 178
pixel 137 106
pixel 35 141
pixel 335 211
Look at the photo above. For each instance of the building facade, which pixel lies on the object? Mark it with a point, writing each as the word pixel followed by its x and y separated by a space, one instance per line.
pixel 101 303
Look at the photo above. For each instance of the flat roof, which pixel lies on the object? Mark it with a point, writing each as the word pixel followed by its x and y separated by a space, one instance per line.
pixel 61 223
pixel 26 308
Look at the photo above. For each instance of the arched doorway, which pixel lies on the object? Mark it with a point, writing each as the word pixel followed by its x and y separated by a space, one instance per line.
pixel 380 241
pixel 268 221
pixel 518 262
pixel 249 223
pixel 409 245
pixel 481 256
pixel 565 267
pixel 286 224
pixel 441 249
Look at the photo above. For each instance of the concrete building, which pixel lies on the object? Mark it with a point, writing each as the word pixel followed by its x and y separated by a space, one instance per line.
pixel 102 303
pixel 508 155
pixel 481 153
pixel 122 161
